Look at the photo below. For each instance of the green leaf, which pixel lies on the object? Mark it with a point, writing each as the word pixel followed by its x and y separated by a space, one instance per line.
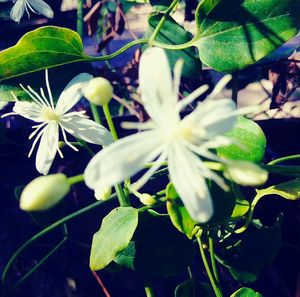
pixel 115 233
pixel 255 250
pixel 289 190
pixel 173 33
pixel 191 289
pixel 158 249
pixel 241 208
pixel 42 48
pixel 233 34
pixel 246 292
pixel 252 140
pixel 178 213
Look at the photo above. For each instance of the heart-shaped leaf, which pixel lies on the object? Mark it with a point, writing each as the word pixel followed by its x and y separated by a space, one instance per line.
pixel 42 48
pixel 252 142
pixel 233 34
pixel 246 292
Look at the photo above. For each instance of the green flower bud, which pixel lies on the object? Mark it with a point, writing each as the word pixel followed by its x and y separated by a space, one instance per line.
pixel 245 173
pixel 98 91
pixel 147 199
pixel 102 194
pixel 44 192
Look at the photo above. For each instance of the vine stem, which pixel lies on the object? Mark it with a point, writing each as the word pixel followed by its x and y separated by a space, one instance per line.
pixel 121 196
pixel 284 159
pixel 149 292
pixel 80 18
pixel 95 113
pixel 207 268
pixel 213 261
pixel 162 21
pixel 56 224
pixel 75 179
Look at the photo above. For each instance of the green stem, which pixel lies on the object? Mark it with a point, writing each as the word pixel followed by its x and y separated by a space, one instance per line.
pixel 95 112
pixel 175 46
pixel 48 229
pixel 284 159
pixel 208 271
pixel 213 261
pixel 75 179
pixel 149 292
pixel 80 18
pixel 121 196
pixel 162 21
pixel 118 52
pixel 86 147
pixel 250 214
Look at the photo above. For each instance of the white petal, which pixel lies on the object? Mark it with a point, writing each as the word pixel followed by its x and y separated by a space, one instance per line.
pixel 72 93
pixel 28 110
pixel 42 8
pixel 156 84
pixel 47 148
pixel 189 183
pixel 122 159
pixel 87 130
pixel 214 117
pixel 17 11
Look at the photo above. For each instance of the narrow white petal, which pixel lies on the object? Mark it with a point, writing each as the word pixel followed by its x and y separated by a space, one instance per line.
pixel 177 76
pixel 220 86
pixel 47 148
pixel 42 8
pixel 87 130
pixel 189 183
pixel 156 84
pixel 72 93
pixel 122 159
pixel 17 11
pixel 215 117
pixel 28 110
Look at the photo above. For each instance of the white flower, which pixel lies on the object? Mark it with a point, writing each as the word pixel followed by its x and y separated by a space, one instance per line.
pixel 167 137
pixel 50 118
pixel 36 6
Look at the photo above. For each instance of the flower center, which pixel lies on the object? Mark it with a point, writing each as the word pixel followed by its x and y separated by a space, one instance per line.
pixel 48 114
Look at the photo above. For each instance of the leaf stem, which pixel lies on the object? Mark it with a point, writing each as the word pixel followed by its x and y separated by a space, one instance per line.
pixel 80 18
pixel 95 112
pixel 207 268
pixel 121 196
pixel 162 21
pixel 56 224
pixel 284 159
pixel 213 261
pixel 149 292
pixel 75 179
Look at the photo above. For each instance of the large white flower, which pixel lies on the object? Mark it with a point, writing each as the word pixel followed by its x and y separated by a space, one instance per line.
pixel 167 137
pixel 36 6
pixel 50 118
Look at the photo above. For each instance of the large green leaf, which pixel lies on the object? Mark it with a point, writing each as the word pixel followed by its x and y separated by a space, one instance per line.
pixel 251 138
pixel 233 34
pixel 42 48
pixel 173 33
pixel 157 249
pixel 246 292
pixel 114 236
pixel 256 249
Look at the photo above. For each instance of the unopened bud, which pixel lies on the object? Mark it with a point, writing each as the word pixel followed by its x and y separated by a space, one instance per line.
pixel 147 199
pixel 44 192
pixel 98 91
pixel 103 193
pixel 245 173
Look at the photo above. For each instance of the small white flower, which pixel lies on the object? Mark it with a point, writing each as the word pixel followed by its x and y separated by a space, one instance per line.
pixel 50 118
pixel 167 137
pixel 36 6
